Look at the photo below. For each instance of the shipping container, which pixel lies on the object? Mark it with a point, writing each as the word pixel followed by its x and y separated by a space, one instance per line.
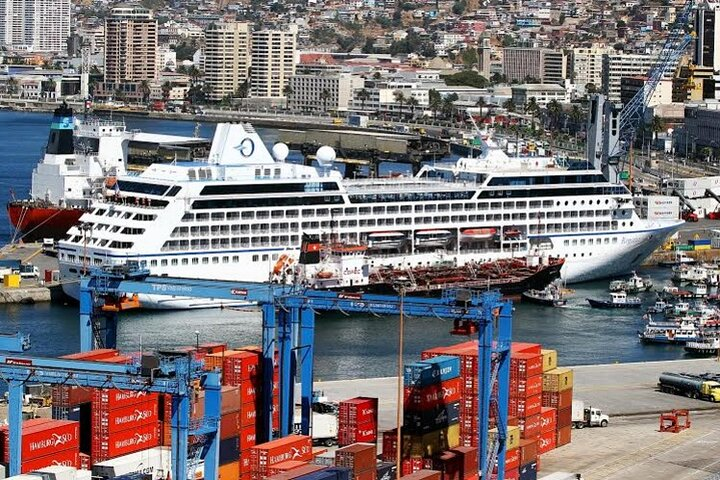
pixel 512 439
pixel 358 410
pixel 429 443
pixel 434 395
pixel 411 465
pixel 213 347
pixel 563 436
pixel 63 458
pixel 528 450
pixel 564 417
pixel 229 471
pixel 359 457
pixel 525 407
pixel 528 472
pixel 248 415
pixel 470 459
pixel 550 359
pixel 64 396
pixel 300 471
pixel 110 399
pixel 557 380
pixel 285 466
pixel 512 459
pixel 292 447
pixel 108 421
pixel 423 475
pixel 546 442
pixel 523 347
pixel 229 425
pixel 248 438
pixel 557 400
pixel 432 370
pixel 364 433
pixel 92 355
pixel 525 365
pixel 229 451
pixel 423 421
pixel 530 426
pixel 548 419
pixel 241 366
pixel 125 442
pixel 526 387
pixel 154 462
pixel 43 437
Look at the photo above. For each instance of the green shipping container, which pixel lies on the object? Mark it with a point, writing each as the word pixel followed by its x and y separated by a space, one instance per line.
pixel 686 248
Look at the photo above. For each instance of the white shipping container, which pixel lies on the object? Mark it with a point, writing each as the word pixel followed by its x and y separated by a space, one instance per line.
pixel 58 472
pixel 663 207
pixel 153 461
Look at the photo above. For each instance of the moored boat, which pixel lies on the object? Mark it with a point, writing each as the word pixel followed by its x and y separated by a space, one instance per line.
pixel 704 347
pixel 673 333
pixel 616 300
pixel 634 284
pixel 550 296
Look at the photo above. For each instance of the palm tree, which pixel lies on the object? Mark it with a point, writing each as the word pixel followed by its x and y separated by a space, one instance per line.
pixel 657 125
pixel 448 105
pixel 12 86
pixel 532 108
pixel 435 101
pixel 288 91
pixel 412 102
pixel 554 111
pixel 590 88
pixel 242 91
pixel 576 117
pixel 166 87
pixel 325 96
pixel 399 99
pixel 145 91
pixel 509 105
pixel 363 95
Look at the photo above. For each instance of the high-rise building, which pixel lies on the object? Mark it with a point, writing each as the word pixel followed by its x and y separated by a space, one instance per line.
pixel 586 65
pixel 707 41
pixel 484 57
pixel 273 61
pixel 35 25
pixel 547 66
pixel 131 40
pixel 617 66
pixel 227 58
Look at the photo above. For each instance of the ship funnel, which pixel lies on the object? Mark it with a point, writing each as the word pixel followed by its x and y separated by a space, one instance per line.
pixel 60 141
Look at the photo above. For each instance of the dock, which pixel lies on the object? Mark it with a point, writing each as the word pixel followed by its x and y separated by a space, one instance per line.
pixel 31 290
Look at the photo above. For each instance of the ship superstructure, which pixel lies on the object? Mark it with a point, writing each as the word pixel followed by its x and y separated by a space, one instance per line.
pixel 236 216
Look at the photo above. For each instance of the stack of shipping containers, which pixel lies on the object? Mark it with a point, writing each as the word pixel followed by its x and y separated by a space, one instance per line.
pixel 358 421
pixel 360 458
pixel 44 442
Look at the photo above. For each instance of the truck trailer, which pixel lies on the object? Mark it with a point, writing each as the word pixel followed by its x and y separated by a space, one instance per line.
pixel 690 386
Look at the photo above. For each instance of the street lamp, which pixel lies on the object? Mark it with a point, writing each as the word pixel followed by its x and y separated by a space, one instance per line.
pixel 197 340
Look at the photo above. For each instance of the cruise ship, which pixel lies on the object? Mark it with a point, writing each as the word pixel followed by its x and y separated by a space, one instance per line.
pixel 241 216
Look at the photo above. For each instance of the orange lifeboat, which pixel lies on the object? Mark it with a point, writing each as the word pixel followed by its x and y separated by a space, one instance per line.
pixel 121 304
pixel 324 274
pixel 478 233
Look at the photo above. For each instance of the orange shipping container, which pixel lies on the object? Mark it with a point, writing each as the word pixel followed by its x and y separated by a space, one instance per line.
pixel 231 471
pixel 546 442
pixel 557 380
pixel 523 347
pixel 528 451
pixel 214 361
pixel 563 436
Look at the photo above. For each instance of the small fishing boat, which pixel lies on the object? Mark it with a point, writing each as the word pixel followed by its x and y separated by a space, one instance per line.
pixel 616 300
pixel 660 307
pixel 550 296
pixel 634 284
pixel 689 274
pixel 680 258
pixel 697 291
pixel 673 333
pixel 705 347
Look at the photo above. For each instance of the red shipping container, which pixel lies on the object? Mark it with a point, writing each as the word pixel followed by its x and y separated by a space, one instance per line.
pixel 528 450
pixel 297 472
pixel 366 475
pixel 528 387
pixel 470 459
pixel 513 474
pixel 525 407
pixel 92 355
pixel 564 418
pixel 125 442
pixel 247 438
pixel 285 467
pixel 213 347
pixel 525 365
pixel 64 458
pixel 433 396
pixel 358 410
pixel 229 425
pixel 366 433
pixel 548 419
pixel 84 462
pixel 424 475
pixel 523 347
pixel 43 438
pixel 107 422
pixel 70 396
pixel 292 447
pixel 245 462
pixel 241 366
pixel 557 400
pixel 110 398
pixel 512 459
pixel 248 415
pixel 546 442
pixel 411 465
pixel 359 457
pixel 563 436
pixel 530 426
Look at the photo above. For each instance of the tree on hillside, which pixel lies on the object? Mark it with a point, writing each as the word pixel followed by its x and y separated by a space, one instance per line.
pixel 434 101
pixel 554 112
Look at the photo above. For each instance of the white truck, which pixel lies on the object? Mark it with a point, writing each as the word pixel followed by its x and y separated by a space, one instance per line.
pixel 324 427
pixel 583 416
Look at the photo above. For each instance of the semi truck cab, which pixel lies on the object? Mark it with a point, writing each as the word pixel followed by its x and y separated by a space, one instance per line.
pixel 711 389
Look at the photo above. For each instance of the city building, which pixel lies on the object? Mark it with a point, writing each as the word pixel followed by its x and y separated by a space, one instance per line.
pixel 273 61
pixel 617 66
pixel 544 65
pixel 326 91
pixel 484 56
pixel 701 129
pixel 35 25
pixel 382 98
pixel 586 65
pixel 131 46
pixel 543 94
pixel 226 58
pixel 707 40
pixel 630 86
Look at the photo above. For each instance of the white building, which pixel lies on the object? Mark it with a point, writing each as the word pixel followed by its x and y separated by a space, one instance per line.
pixel 35 25
pixel 383 98
pixel 226 57
pixel 323 92
pixel 617 66
pixel 273 61
pixel 587 66
pixel 543 94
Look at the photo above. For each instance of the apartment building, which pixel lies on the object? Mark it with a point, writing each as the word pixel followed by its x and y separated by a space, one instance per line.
pixel 587 66
pixel 548 66
pixel 130 45
pixel 542 93
pixel 273 61
pixel 227 57
pixel 35 25
pixel 325 91
pixel 617 66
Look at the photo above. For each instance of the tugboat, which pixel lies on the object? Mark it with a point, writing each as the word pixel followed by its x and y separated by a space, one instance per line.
pixel 634 284
pixel 617 300
pixel 550 296
pixel 705 347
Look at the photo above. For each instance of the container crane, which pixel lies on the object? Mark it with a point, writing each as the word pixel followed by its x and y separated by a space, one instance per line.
pixel 612 131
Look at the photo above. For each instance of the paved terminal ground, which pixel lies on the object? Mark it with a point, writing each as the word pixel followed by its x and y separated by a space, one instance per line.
pixel 631 447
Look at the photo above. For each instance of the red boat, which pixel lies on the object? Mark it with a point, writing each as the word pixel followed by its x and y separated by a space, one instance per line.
pixel 36 220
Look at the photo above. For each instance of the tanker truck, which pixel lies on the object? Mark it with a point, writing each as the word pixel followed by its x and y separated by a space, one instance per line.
pixel 689 386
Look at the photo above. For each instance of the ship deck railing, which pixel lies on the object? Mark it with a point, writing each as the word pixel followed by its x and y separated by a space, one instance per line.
pixel 405 184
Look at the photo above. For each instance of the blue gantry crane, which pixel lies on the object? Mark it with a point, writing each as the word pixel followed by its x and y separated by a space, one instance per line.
pixel 288 328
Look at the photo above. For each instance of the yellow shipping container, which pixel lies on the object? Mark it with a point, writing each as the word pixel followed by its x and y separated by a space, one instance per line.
pixel 702 247
pixel 11 280
pixel 432 443
pixel 549 359
pixel 230 471
pixel 557 380
pixel 513 437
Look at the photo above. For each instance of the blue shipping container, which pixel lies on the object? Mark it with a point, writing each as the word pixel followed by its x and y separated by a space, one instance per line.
pixel 699 241
pixel 341 473
pixel 321 475
pixel 429 420
pixel 229 450
pixel 434 370
pixel 529 471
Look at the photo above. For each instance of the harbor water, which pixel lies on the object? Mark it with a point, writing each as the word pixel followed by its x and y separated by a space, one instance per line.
pixel 346 347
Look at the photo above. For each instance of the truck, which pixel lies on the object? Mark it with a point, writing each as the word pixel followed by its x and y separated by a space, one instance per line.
pixel 28 270
pixel 360 121
pixel 689 216
pixel 691 386
pixel 323 427
pixel 587 416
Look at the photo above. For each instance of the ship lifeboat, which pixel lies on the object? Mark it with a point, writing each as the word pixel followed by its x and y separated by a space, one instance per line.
pixel 324 274
pixel 512 232
pixel 432 238
pixel 386 240
pixel 471 234
pixel 282 261
pixel 121 304
pixel 345 249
